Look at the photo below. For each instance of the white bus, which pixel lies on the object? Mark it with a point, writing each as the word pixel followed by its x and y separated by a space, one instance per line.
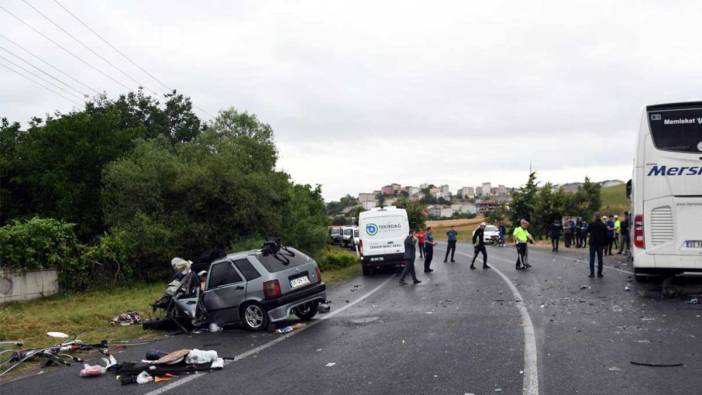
pixel 666 191
pixel 382 237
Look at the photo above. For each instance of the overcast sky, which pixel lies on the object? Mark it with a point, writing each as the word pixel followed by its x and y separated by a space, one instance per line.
pixel 362 94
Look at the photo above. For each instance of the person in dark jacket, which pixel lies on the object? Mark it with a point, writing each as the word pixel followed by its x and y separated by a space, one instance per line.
pixel 452 237
pixel 598 241
pixel 428 250
pixel 409 256
pixel 555 233
pixel 625 243
pixel 579 235
pixel 568 235
pixel 479 246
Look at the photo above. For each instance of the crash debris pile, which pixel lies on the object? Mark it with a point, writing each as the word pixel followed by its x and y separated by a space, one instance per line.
pixel 128 318
pixel 57 355
pixel 159 366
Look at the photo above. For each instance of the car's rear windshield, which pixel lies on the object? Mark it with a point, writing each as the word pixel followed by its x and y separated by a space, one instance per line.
pixel 335 231
pixel 277 263
pixel 678 130
pixel 348 232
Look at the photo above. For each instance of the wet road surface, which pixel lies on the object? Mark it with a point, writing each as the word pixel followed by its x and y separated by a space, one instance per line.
pixel 459 331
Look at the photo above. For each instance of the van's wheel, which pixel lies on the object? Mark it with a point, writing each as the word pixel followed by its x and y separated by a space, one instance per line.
pixel 306 311
pixel 366 270
pixel 254 316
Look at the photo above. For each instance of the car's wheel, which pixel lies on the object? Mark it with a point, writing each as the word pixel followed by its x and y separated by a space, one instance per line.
pixel 306 311
pixel 366 270
pixel 254 317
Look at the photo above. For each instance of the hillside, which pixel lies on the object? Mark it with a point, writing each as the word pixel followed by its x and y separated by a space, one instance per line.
pixel 614 199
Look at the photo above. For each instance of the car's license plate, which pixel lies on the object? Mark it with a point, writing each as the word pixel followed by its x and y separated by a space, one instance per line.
pixel 693 243
pixel 299 282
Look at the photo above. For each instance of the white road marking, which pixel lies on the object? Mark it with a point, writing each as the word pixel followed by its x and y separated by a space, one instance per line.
pixel 530 383
pixel 271 343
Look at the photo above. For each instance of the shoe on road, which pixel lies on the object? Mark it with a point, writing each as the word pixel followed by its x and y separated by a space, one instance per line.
pixel 416 282
pixel 472 267
pixel 403 283
pixel 600 275
pixel 452 261
pixel 591 275
pixel 486 267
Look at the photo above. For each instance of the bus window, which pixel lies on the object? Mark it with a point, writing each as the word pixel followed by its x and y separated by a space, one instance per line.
pixel 677 130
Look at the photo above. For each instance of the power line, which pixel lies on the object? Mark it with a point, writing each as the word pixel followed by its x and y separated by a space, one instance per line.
pixel 38 83
pixel 64 48
pixel 38 76
pixel 41 70
pixel 37 57
pixel 84 45
pixel 123 54
pixel 112 46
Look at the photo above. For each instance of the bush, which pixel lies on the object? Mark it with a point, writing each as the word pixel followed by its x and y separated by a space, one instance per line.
pixel 108 261
pixel 332 259
pixel 43 243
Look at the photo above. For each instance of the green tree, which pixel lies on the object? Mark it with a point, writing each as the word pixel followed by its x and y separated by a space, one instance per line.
pixel 524 201
pixel 416 212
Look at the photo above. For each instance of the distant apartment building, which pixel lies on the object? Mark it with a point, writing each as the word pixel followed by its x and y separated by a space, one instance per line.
pixel 387 190
pixel 368 200
pixel 501 190
pixel 413 191
pixel 436 192
pixel 485 189
pixel 485 205
pixel 464 208
pixel 466 193
pixel 424 186
pixel 446 212
pixel 478 191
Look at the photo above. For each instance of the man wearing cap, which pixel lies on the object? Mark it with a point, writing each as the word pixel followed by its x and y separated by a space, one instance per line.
pixel 479 246
pixel 521 238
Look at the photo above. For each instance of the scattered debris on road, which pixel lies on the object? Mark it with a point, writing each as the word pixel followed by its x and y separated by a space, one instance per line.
pixel 614 369
pixel 330 364
pixel 692 301
pixel 125 319
pixel 657 365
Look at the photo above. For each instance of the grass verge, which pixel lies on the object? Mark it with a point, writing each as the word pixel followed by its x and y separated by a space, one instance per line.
pixel 88 314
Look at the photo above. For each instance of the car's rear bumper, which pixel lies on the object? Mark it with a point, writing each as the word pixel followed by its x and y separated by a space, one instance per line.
pixel 384 260
pixel 280 308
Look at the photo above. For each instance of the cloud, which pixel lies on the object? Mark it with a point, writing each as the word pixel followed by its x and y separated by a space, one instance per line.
pixel 366 93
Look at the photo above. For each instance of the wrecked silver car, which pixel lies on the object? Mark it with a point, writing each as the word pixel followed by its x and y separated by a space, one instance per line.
pixel 253 288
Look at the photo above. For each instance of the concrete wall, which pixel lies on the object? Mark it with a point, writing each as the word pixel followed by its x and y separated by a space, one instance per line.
pixel 15 287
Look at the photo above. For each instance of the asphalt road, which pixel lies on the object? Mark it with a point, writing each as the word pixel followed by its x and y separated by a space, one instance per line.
pixel 552 331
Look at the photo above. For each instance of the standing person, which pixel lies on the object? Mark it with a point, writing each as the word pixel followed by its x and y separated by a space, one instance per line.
pixel 578 234
pixel 452 236
pixel 409 258
pixel 479 246
pixel 428 250
pixel 617 231
pixel 502 231
pixel 521 237
pixel 583 230
pixel 420 242
pixel 624 242
pixel 598 241
pixel 610 236
pixel 555 233
pixel 568 234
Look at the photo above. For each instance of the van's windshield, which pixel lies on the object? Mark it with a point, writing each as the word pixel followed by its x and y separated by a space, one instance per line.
pixel 677 130
pixel 348 232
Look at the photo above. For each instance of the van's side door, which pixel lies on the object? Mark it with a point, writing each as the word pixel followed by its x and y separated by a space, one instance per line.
pixel 226 287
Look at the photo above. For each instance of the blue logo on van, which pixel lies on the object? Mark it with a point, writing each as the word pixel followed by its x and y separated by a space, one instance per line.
pixel 372 229
pixel 675 171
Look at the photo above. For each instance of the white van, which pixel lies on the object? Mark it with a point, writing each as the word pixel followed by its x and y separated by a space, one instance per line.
pixel 382 233
pixel 666 191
